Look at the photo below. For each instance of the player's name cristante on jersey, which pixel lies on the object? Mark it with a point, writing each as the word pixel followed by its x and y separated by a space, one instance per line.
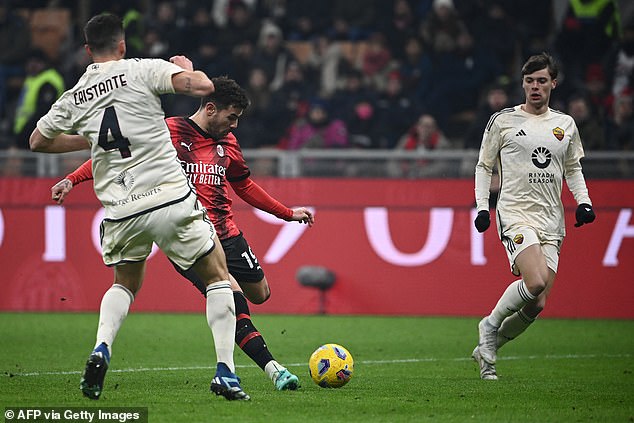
pixel 100 88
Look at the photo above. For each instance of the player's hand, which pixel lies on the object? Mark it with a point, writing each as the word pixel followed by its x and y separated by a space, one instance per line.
pixel 584 214
pixel 482 221
pixel 60 190
pixel 183 62
pixel 303 215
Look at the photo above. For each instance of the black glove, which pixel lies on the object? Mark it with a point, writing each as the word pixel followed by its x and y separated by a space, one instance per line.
pixel 482 221
pixel 584 214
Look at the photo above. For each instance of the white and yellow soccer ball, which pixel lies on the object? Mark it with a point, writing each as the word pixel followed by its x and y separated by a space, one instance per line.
pixel 331 366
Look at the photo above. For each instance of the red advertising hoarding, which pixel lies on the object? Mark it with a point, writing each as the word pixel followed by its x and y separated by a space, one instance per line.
pixel 397 247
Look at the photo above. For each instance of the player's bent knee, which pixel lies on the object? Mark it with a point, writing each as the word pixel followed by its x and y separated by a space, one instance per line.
pixel 259 297
pixel 535 285
pixel 540 304
pixel 211 270
pixel 257 293
pixel 533 308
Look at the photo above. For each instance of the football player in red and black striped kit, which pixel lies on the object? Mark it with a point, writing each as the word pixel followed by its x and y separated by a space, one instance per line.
pixel 212 159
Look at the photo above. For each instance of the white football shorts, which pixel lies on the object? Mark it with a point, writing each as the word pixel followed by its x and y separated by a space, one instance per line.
pixel 182 231
pixel 517 238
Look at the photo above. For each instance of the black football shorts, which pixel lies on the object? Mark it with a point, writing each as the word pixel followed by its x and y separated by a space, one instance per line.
pixel 243 265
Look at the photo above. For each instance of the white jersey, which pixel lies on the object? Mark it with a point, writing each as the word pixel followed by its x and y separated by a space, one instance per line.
pixel 115 105
pixel 534 154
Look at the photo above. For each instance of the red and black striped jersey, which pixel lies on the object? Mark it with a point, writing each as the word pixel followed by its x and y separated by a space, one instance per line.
pixel 210 166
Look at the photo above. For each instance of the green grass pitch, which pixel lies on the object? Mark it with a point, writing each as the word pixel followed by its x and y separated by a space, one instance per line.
pixel 407 369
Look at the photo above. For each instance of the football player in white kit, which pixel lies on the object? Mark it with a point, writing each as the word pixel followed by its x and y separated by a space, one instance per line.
pixel 116 112
pixel 535 148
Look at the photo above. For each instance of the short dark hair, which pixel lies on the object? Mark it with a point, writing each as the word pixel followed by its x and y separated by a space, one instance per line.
pixel 227 93
pixel 539 62
pixel 103 32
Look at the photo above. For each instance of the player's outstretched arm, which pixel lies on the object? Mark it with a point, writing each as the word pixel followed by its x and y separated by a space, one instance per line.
pixel 62 143
pixel 303 215
pixel 255 195
pixel 60 190
pixel 190 82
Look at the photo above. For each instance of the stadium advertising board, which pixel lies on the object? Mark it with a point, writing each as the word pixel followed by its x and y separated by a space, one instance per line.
pixel 396 247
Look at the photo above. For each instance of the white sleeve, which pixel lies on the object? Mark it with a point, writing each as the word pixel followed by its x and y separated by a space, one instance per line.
pixel 159 75
pixel 57 120
pixel 489 150
pixel 573 173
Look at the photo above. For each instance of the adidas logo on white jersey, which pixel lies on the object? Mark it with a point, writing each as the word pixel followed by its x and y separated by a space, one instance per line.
pixel 521 133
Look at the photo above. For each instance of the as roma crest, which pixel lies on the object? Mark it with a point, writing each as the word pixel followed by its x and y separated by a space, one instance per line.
pixel 558 133
pixel 518 239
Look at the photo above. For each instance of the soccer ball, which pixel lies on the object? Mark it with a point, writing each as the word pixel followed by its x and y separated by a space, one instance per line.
pixel 331 366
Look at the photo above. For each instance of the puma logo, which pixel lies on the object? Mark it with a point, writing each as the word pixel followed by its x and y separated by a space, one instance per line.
pixel 189 146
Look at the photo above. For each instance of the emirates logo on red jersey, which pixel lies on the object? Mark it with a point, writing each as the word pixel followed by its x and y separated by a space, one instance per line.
pixel 220 150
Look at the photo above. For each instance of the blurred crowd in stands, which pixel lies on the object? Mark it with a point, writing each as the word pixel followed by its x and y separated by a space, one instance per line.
pixel 366 74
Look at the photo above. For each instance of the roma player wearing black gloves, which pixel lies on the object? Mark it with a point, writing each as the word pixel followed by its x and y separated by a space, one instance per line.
pixel 482 220
pixel 584 214
pixel 535 148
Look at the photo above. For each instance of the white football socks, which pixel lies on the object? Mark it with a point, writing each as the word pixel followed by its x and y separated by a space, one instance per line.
pixel 514 298
pixel 221 317
pixel 513 326
pixel 272 369
pixel 115 304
